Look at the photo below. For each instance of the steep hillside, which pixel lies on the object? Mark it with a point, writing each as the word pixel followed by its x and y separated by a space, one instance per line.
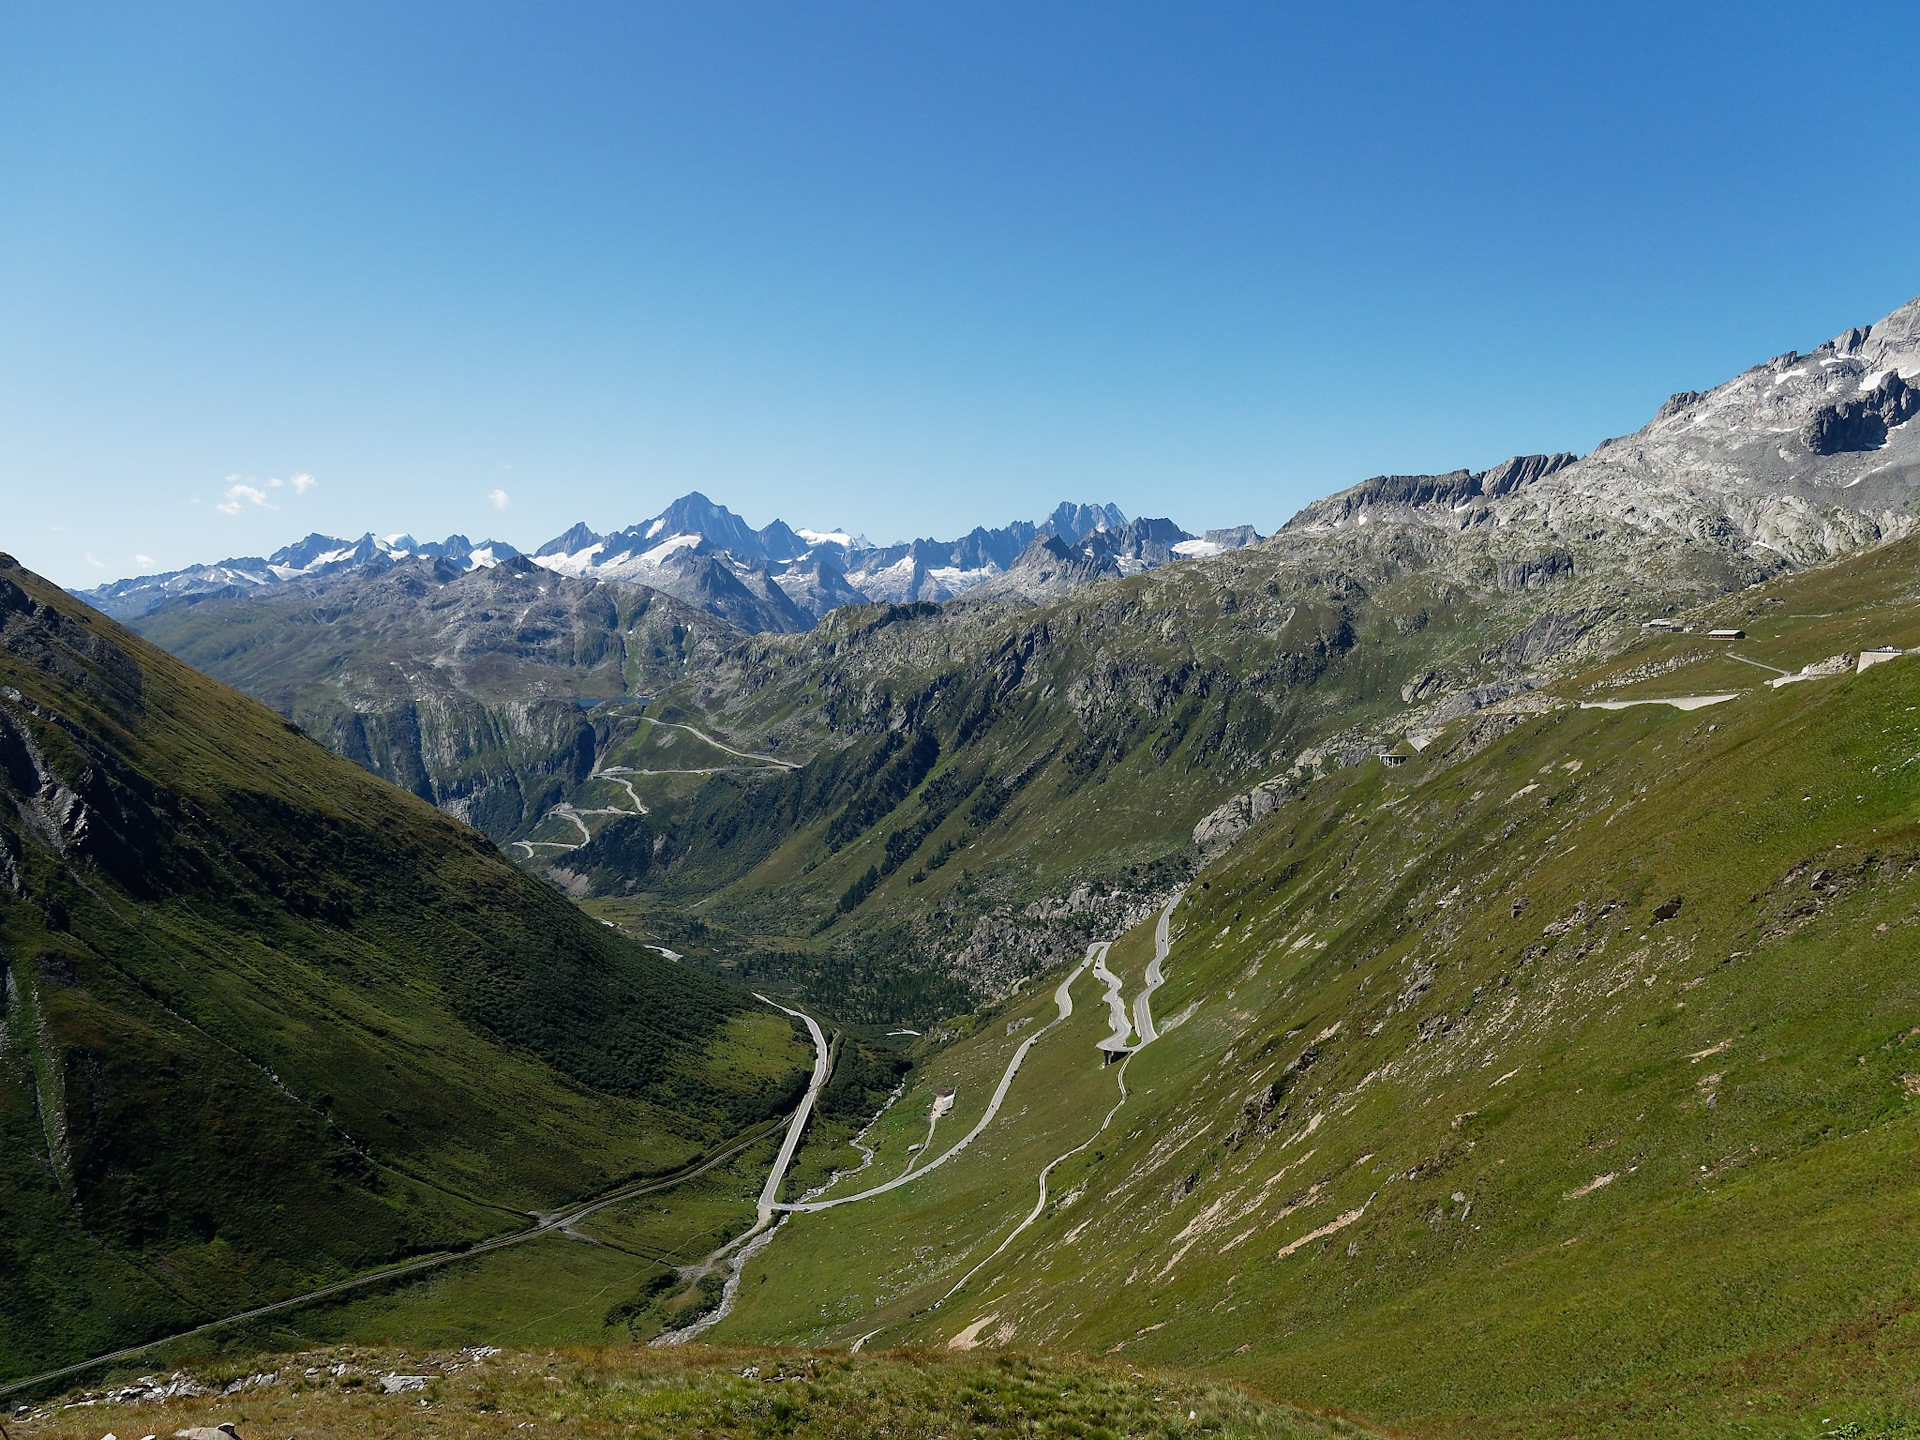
pixel 1558 1080
pixel 268 1021
pixel 474 691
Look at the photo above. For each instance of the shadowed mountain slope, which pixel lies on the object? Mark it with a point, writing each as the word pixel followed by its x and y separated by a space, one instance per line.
pixel 268 1021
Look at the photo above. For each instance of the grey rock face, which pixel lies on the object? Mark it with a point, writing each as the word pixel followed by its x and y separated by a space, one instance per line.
pixel 1863 423
pixel 1232 537
pixel 1796 461
pixel 1235 817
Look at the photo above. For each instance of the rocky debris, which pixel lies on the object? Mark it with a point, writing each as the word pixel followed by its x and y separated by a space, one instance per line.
pixel 398 1384
pixel 178 1386
pixel 1077 902
pixel 225 1430
pixel 1480 697
pixel 1003 948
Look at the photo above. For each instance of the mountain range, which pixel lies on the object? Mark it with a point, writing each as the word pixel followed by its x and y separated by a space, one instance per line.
pixel 1371 618
pixel 775 578
pixel 1501 883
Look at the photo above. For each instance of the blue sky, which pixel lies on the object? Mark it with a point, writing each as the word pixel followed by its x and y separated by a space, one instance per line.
pixel 899 267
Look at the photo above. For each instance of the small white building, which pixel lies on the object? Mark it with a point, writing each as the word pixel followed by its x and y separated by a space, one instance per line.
pixel 1870 658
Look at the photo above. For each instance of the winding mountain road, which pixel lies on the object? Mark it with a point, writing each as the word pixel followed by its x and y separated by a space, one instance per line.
pixel 722 745
pixel 618 773
pixel 1143 1002
pixel 1143 1022
pixel 1118 1042
pixel 1063 1002
pixel 745 1246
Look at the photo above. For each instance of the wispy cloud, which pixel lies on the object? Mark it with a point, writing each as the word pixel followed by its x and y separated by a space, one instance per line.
pixel 499 499
pixel 93 562
pixel 240 495
pixel 245 490
pixel 143 559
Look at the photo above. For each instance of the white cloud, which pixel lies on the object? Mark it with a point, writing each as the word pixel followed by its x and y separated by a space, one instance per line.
pixel 143 559
pixel 499 499
pixel 240 494
pixel 244 490
pixel 93 562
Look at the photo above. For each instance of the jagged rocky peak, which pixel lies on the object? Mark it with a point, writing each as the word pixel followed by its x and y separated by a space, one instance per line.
pixel 569 542
pixel 1072 522
pixel 1404 494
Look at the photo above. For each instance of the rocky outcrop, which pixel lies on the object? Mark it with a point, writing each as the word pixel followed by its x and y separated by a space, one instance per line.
pixel 1454 490
pixel 1533 571
pixel 1004 946
pixel 1862 423
pixel 1221 827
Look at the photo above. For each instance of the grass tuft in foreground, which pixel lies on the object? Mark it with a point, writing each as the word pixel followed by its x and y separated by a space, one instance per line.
pixel 641 1393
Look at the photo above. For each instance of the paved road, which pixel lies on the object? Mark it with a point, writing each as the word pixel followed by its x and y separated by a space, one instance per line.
pixel 1143 1022
pixel 550 1224
pixel 1118 1042
pixel 1063 1002
pixel 1679 702
pixel 1143 1002
pixel 745 1246
pixel 565 1220
pixel 722 745
pixel 822 1068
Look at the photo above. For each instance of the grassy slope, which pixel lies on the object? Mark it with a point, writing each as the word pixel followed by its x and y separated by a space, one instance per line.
pixel 1504 1023
pixel 269 1020
pixel 719 1392
pixel 1077 741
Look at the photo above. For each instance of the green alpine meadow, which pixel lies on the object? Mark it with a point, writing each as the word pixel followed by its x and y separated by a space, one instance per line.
pixel 1042 722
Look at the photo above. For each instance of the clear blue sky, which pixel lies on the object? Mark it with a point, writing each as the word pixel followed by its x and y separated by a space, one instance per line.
pixel 899 267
